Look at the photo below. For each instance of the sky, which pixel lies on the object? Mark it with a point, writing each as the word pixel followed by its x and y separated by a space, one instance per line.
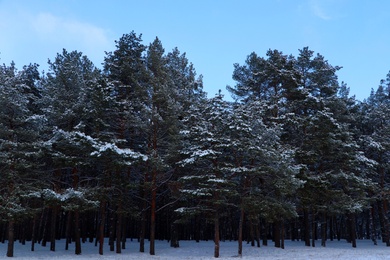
pixel 214 34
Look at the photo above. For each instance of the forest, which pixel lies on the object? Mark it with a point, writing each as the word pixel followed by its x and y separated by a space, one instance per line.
pixel 137 150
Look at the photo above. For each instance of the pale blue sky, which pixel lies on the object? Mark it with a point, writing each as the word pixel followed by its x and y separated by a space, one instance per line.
pixel 215 34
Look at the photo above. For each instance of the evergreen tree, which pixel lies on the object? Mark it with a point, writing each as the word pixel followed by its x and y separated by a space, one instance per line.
pixel 209 182
pixel 374 138
pixel 20 149
pixel 71 92
pixel 264 169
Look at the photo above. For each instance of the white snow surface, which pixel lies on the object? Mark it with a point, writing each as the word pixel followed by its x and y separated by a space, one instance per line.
pixel 205 249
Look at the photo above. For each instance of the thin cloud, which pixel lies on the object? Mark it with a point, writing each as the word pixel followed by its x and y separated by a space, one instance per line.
pixel 45 34
pixel 51 27
pixel 319 10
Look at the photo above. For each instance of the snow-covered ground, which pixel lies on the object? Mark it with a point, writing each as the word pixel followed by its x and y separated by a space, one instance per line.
pixel 204 250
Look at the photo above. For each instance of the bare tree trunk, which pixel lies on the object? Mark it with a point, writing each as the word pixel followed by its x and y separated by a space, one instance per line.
pixel 240 227
pixel 282 235
pixel 11 238
pixel 257 233
pixel 77 232
pixel 373 225
pixel 53 225
pixel 331 228
pixel 143 215
pixel 383 221
pixel 33 235
pixel 252 232
pixel 352 223
pixel 68 238
pixel 112 231
pixel 306 226
pixel 119 229
pixel 323 229
pixel 153 193
pixel 101 227
pixel 216 236
pixel 265 233
pixel 276 229
pixel 313 230
pixel 174 236
pixel 153 215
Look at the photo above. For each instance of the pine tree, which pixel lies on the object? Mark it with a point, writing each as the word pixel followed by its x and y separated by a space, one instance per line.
pixel 68 100
pixel 263 168
pixel 374 132
pixel 209 181
pixel 20 149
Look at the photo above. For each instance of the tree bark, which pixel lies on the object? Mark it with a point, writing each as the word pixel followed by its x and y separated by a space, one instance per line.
pixel 33 234
pixel 373 225
pixel 112 226
pixel 352 229
pixel 313 230
pixel 276 232
pixel 306 226
pixel 174 236
pixel 257 234
pixel 77 232
pixel 283 231
pixel 119 230
pixel 383 221
pixel 11 238
pixel 53 225
pixel 240 227
pixel 323 229
pixel 68 238
pixel 265 233
pixel 216 236
pixel 101 227
pixel 153 215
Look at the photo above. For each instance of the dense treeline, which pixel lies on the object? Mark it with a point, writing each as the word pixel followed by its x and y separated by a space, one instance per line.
pixel 136 150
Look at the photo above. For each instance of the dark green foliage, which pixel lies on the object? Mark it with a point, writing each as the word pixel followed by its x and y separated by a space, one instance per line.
pixel 137 150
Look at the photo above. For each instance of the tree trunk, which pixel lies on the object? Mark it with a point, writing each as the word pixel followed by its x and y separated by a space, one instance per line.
pixel 352 222
pixel 11 238
pixel 276 232
pixel 33 234
pixel 240 227
pixel 265 233
pixel 386 222
pixel 383 221
pixel 174 236
pixel 216 236
pixel 68 238
pixel 112 226
pixel 124 232
pixel 258 234
pixel 323 230
pixel 373 225
pixel 77 232
pixel 252 232
pixel 283 231
pixel 118 230
pixel 101 227
pixel 142 231
pixel 313 230
pixel 143 214
pixel 331 228
pixel 197 229
pixel 153 214
pixel 153 191
pixel 53 225
pixel 306 226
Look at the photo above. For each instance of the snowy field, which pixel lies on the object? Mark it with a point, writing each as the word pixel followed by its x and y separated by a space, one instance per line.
pixel 204 250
